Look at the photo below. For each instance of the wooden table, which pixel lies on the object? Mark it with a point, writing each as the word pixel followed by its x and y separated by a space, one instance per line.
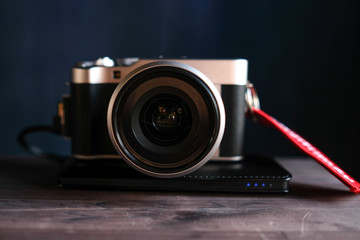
pixel 33 207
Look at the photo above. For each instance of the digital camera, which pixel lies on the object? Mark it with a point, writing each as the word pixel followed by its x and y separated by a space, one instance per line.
pixel 163 117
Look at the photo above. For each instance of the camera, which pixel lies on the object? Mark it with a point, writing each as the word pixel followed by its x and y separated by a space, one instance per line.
pixel 164 117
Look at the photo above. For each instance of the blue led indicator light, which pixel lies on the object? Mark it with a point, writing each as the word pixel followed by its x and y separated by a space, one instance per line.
pixel 263 185
pixel 255 184
pixel 248 184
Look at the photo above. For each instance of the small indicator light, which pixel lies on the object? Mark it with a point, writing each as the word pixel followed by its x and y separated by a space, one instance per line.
pixel 255 184
pixel 248 184
pixel 263 184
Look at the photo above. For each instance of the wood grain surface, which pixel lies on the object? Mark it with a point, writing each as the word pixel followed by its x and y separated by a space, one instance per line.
pixel 32 206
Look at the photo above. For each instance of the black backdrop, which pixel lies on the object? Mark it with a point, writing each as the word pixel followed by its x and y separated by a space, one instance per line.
pixel 303 58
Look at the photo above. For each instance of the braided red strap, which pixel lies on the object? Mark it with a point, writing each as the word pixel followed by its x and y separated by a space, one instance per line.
pixel 309 149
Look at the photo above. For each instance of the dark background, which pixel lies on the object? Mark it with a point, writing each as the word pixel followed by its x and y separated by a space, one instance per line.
pixel 303 59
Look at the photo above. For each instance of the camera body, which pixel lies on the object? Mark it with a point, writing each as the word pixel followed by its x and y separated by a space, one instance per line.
pixel 164 117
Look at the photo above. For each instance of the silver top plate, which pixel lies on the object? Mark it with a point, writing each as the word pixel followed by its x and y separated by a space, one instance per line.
pixel 220 72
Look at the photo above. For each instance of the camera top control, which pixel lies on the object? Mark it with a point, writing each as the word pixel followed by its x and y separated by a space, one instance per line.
pixel 126 62
pixel 108 62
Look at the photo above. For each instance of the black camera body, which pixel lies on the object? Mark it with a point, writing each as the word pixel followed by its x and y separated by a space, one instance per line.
pixel 164 117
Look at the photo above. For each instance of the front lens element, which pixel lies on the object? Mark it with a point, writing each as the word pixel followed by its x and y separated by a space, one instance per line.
pixel 165 120
pixel 166 117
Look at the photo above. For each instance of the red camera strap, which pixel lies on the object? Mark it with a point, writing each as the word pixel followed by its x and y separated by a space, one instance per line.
pixel 308 148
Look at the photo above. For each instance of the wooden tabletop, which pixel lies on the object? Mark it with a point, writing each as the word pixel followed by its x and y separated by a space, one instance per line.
pixel 32 206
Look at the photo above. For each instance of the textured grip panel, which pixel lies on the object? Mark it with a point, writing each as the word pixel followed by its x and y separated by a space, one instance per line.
pixel 234 101
pixel 89 111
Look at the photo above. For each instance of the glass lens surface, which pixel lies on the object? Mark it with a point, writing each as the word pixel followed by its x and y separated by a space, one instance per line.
pixel 165 120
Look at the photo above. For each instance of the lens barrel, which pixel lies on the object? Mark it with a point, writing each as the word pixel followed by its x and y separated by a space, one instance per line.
pixel 166 119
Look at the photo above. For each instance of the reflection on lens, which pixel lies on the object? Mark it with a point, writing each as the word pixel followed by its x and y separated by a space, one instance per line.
pixel 165 120
pixel 167 117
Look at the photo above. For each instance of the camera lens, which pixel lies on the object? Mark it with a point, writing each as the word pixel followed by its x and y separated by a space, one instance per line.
pixel 165 120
